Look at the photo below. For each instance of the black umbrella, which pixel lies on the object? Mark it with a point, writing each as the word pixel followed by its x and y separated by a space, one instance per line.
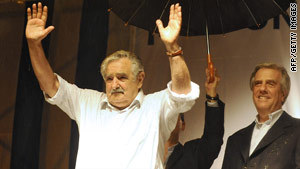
pixel 200 17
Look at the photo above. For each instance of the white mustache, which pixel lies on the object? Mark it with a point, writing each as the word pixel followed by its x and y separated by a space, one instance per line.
pixel 117 90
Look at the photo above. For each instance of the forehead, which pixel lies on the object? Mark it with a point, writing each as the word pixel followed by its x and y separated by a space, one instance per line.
pixel 122 65
pixel 268 74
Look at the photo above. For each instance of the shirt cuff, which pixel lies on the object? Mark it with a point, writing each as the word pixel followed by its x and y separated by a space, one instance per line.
pixel 192 95
pixel 212 104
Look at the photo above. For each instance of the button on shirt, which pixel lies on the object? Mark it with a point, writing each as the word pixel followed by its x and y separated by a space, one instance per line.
pixel 261 129
pixel 132 138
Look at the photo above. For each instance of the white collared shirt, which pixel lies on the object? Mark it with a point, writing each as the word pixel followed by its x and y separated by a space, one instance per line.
pixel 132 138
pixel 261 129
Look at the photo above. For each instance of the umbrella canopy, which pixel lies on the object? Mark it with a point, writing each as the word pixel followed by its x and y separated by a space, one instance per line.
pixel 200 17
pixel 221 16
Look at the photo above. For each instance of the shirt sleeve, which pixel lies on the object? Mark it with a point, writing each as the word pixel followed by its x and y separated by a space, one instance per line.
pixel 184 102
pixel 177 103
pixel 66 98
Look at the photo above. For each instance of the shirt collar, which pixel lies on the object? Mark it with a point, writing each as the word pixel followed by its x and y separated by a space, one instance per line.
pixel 138 100
pixel 272 117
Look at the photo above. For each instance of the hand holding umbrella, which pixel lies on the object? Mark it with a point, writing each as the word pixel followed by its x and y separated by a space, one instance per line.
pixel 211 86
pixel 169 34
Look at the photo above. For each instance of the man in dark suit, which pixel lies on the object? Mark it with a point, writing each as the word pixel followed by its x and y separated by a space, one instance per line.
pixel 272 141
pixel 199 153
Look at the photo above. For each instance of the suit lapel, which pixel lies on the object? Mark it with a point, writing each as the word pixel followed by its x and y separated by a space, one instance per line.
pixel 177 153
pixel 245 141
pixel 276 131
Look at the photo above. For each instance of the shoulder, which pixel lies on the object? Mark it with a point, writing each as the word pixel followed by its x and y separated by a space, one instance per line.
pixel 291 120
pixel 92 91
pixel 92 94
pixel 296 121
pixel 71 87
pixel 192 144
pixel 157 93
pixel 242 131
pixel 156 96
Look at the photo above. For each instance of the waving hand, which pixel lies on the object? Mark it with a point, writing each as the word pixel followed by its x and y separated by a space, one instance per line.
pixel 36 22
pixel 169 34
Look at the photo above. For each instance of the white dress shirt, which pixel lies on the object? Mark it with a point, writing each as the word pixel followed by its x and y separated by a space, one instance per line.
pixel 132 138
pixel 261 129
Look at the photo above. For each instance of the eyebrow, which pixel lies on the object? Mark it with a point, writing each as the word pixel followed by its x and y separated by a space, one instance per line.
pixel 121 74
pixel 118 74
pixel 273 81
pixel 257 81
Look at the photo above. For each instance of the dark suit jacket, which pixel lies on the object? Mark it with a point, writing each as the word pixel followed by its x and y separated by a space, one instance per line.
pixel 200 153
pixel 279 148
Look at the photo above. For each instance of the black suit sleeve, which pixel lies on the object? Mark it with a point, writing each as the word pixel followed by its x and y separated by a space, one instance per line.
pixel 297 149
pixel 208 147
pixel 227 156
pixel 213 133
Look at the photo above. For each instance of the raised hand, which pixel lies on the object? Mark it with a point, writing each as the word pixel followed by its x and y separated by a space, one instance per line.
pixel 36 22
pixel 211 87
pixel 169 34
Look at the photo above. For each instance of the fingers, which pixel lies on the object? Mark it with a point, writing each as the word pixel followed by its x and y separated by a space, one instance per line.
pixel 175 12
pixel 171 16
pixel 45 14
pixel 206 71
pixel 34 11
pixel 39 11
pixel 48 30
pixel 216 77
pixel 159 25
pixel 179 15
pixel 207 74
pixel 29 14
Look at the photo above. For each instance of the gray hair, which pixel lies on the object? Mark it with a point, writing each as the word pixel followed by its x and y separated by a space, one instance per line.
pixel 136 63
pixel 285 83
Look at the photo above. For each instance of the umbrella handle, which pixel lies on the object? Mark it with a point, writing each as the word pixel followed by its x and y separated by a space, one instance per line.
pixel 210 67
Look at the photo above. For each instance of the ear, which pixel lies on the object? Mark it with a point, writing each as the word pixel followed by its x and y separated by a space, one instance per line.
pixel 140 79
pixel 283 97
